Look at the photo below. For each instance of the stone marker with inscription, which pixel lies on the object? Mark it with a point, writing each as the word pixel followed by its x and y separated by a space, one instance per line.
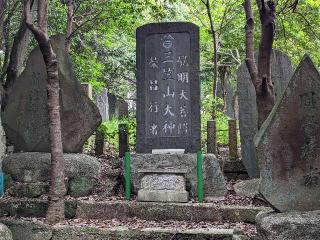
pixel 288 144
pixel 168 87
pixel 281 73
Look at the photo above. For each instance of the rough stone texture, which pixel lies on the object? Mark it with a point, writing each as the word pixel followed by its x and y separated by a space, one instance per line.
pixel 193 212
pixel 25 118
pixel 35 166
pixel 288 144
pixel 213 180
pixel 281 73
pixel 103 104
pixel 90 233
pixel 23 230
pixel 130 209
pixel 32 208
pixel 165 181
pixel 80 186
pixel 248 188
pixel 228 92
pixel 2 143
pixel 30 190
pixel 5 233
pixel 168 87
pixel 288 226
pixel 177 196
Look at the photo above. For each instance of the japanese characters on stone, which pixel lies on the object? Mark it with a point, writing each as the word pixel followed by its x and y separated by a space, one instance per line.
pixel 168 90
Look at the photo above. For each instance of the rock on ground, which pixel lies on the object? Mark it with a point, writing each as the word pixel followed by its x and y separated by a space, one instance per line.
pixel 248 188
pixel 5 233
pixel 35 166
pixel 26 230
pixel 288 226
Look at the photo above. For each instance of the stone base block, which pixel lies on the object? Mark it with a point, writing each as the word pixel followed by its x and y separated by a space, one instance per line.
pixel 213 180
pixel 162 196
pixel 288 226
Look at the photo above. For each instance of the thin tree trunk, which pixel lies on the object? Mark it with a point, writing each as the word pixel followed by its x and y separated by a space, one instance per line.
pixel 261 75
pixel 70 16
pixel 215 55
pixel 57 185
pixel 18 52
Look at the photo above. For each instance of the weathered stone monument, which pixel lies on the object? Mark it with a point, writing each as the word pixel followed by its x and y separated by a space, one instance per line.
pixel 25 118
pixel 281 72
pixel 103 104
pixel 168 87
pixel 288 144
pixel 168 116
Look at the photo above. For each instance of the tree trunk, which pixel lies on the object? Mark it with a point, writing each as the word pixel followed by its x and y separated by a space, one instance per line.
pixel 57 185
pixel 261 75
pixel 18 53
pixel 215 56
pixel 70 15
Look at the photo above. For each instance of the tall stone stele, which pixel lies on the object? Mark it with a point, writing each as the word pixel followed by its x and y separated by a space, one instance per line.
pixel 281 72
pixel 25 118
pixel 168 87
pixel 288 144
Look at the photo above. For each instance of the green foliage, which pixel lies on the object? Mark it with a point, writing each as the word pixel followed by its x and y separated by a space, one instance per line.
pixel 111 135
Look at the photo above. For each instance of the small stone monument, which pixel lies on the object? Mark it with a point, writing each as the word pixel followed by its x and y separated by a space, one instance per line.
pixel 103 104
pixel 288 144
pixel 168 87
pixel 281 72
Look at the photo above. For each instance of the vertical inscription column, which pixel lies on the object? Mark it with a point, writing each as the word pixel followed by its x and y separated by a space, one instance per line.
pixel 168 111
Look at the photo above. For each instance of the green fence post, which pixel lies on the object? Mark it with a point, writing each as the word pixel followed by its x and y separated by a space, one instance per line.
pixel 199 177
pixel 1 184
pixel 127 175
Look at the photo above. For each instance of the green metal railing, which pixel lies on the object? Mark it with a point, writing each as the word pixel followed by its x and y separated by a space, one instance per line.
pixel 199 177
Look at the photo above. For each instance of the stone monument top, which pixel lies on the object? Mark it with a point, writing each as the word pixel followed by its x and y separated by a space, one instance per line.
pixel 288 144
pixel 168 87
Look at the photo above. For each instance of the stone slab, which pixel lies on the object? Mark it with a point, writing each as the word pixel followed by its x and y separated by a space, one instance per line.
pixel 25 118
pixel 27 230
pixel 123 210
pixel 281 72
pixel 288 226
pixel 163 181
pixel 102 102
pixel 288 144
pixel 168 87
pixel 163 196
pixel 168 151
pixel 214 185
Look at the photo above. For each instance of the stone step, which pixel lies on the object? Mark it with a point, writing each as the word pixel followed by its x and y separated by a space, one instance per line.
pixel 164 211
pixel 129 209
pixel 32 230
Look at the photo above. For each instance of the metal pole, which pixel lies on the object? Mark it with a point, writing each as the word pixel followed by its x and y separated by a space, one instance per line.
pixel 127 175
pixel 1 184
pixel 199 176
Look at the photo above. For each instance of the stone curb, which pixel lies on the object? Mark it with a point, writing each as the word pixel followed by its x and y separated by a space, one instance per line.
pixel 144 210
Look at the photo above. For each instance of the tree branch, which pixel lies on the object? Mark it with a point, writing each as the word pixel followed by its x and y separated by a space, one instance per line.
pixel 249 41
